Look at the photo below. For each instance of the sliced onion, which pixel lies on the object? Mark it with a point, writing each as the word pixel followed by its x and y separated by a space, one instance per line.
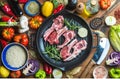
pixel 34 68
pixel 31 70
pixel 113 59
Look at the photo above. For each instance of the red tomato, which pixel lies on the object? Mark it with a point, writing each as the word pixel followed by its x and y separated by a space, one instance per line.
pixel 104 4
pixel 15 74
pixel 8 33
pixel 35 22
pixel 21 38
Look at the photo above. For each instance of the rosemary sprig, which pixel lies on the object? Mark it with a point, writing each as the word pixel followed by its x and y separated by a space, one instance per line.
pixel 52 52
pixel 71 24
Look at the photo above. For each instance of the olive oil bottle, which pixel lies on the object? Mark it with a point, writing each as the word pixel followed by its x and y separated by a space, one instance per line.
pixel 90 8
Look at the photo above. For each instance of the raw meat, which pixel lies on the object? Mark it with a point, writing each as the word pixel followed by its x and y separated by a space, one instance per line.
pixel 54 36
pixel 77 48
pixel 69 35
pixel 51 37
pixel 57 24
pixel 65 51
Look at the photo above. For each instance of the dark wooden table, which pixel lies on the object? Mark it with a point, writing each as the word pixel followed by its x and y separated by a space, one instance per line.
pixel 89 58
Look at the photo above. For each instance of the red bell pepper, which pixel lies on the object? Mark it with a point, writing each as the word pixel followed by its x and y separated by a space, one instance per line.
pixel 22 1
pixel 7 19
pixel 6 9
pixel 48 69
pixel 58 9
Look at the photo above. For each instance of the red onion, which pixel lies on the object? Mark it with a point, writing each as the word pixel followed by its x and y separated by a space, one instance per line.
pixel 32 67
pixel 113 59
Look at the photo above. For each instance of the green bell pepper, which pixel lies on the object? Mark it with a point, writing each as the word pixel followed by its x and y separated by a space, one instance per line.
pixel 114 72
pixel 40 74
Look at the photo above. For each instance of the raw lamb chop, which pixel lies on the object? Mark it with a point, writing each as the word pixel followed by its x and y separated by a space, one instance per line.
pixel 55 35
pixel 57 24
pixel 77 48
pixel 65 51
pixel 69 35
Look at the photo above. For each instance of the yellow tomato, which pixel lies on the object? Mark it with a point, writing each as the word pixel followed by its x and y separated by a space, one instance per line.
pixel 47 8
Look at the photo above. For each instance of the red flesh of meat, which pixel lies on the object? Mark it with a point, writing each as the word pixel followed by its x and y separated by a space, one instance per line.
pixel 78 47
pixel 57 24
pixel 69 35
pixel 54 36
pixel 65 51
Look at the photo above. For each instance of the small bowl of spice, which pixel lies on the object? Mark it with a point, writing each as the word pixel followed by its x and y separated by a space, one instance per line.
pixel 14 56
pixel 32 7
pixel 100 72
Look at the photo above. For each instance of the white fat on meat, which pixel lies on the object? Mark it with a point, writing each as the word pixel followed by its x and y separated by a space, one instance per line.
pixel 69 35
pixel 59 33
pixel 55 35
pixel 65 51
pixel 77 48
pixel 57 24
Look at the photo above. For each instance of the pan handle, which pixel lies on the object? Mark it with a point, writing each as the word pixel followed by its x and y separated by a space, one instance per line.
pixel 98 39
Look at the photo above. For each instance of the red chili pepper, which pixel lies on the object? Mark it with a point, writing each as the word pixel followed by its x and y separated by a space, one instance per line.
pixel 6 8
pixel 58 9
pixel 22 1
pixel 6 19
pixel 3 42
pixel 48 69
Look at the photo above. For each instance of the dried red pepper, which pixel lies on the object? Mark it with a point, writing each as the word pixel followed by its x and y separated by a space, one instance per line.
pixel 22 1
pixel 3 42
pixel 58 9
pixel 48 69
pixel 6 9
pixel 7 19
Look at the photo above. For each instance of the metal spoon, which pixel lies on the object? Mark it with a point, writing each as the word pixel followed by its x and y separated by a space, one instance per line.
pixel 99 21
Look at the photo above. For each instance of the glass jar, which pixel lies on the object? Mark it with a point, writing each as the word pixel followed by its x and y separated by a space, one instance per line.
pixel 87 9
pixel 92 7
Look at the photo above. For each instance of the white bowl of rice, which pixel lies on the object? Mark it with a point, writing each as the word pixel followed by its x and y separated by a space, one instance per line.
pixel 14 56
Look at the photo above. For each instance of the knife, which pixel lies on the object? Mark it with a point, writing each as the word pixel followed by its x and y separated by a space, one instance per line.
pixel 99 55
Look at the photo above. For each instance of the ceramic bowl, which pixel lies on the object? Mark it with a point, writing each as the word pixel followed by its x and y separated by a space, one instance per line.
pixel 28 5
pixel 100 72
pixel 4 56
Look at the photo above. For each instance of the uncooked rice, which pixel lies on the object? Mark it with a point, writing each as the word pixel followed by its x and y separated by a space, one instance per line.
pixel 16 56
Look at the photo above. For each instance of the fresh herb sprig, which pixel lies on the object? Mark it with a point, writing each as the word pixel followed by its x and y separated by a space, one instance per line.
pixel 52 52
pixel 71 24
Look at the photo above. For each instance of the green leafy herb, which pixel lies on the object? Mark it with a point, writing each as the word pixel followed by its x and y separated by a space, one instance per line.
pixel 72 25
pixel 52 52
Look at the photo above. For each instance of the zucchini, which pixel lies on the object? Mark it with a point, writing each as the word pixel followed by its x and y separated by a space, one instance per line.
pixel 82 32
pixel 15 7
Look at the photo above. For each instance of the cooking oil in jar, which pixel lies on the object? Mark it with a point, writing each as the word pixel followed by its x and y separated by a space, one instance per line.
pixel 87 9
